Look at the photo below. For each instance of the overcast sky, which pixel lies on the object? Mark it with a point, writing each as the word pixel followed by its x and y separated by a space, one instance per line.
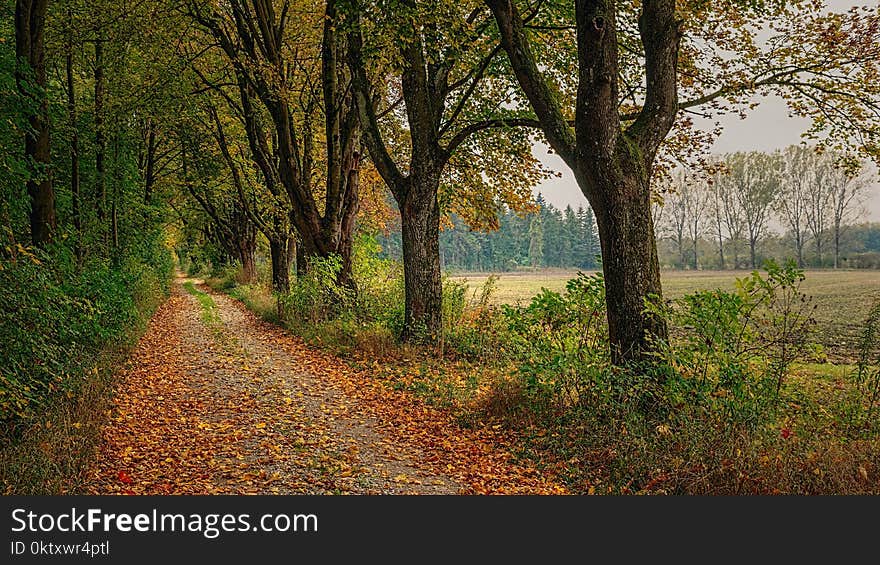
pixel 766 128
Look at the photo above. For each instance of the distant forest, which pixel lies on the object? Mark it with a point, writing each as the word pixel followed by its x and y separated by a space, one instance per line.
pixel 567 239
pixel 548 238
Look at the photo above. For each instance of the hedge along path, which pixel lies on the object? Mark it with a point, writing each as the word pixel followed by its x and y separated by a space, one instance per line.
pixel 215 400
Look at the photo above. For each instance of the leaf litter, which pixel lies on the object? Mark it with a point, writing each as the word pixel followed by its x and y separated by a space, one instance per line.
pixel 240 406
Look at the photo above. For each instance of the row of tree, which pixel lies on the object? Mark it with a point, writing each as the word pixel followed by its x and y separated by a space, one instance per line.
pixel 810 196
pixel 540 238
pixel 276 118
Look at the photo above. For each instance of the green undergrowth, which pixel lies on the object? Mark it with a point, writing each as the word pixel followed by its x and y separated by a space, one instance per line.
pixel 63 332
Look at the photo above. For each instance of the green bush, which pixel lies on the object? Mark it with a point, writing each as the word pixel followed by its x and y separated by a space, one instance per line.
pixel 54 322
pixel 731 351
pixel 861 401
pixel 560 341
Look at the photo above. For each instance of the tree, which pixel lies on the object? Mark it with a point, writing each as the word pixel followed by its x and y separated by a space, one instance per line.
pixel 588 250
pixel 732 215
pixel 536 241
pixel 30 25
pixel 626 79
pixel 443 65
pixel 797 189
pixel 74 139
pixel 272 71
pixel 818 206
pixel 611 165
pixel 685 206
pixel 848 186
pixel 696 203
pixel 226 203
pixel 755 179
pixel 677 208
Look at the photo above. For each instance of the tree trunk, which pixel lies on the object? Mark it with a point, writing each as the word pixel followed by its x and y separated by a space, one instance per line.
pixel 351 205
pixel 721 250
pixel 100 138
pixel 680 243
pixel 116 194
pixel 420 231
pixel 74 148
pixel 280 255
pixel 30 22
pixel 150 167
pixel 631 269
pixel 836 245
pixel 300 254
pixel 752 245
pixel 246 250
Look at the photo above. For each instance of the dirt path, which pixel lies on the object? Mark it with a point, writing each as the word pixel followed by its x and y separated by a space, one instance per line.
pixel 215 400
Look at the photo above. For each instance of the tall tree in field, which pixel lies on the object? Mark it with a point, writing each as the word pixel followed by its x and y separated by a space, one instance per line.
pixel 444 68
pixel 716 220
pixel 799 168
pixel 30 25
pixel 756 179
pixel 730 219
pixel 686 209
pixel 696 204
pixel 849 186
pixel 818 206
pixel 624 72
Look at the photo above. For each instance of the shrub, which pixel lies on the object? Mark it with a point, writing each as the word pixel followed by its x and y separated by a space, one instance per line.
pixel 861 402
pixel 560 341
pixel 54 323
pixel 732 351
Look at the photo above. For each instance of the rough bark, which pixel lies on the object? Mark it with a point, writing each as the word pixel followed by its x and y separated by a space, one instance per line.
pixel 246 252
pixel 279 251
pixel 420 233
pixel 424 85
pixel 30 23
pixel 631 270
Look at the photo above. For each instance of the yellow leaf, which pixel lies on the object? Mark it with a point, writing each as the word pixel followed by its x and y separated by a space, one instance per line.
pixel 261 425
